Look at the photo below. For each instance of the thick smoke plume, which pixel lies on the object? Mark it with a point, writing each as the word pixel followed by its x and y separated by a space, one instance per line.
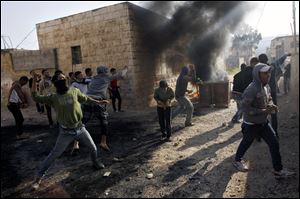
pixel 201 26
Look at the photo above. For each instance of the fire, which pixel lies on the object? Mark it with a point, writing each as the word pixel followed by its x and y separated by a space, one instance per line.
pixel 196 94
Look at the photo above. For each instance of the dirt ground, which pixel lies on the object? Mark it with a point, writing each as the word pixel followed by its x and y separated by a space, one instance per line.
pixel 197 163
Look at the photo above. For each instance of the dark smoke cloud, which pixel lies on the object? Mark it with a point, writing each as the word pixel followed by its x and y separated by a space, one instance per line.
pixel 203 25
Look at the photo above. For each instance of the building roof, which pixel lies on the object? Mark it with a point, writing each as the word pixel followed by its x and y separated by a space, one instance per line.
pixel 96 9
pixel 283 37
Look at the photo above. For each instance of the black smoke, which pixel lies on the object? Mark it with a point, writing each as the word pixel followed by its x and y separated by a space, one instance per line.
pixel 203 26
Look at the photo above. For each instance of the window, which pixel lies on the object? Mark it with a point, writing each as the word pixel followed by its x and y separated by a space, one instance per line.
pixel 76 55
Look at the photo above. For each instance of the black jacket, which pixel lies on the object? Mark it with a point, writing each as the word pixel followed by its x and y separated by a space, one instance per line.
pixel 242 79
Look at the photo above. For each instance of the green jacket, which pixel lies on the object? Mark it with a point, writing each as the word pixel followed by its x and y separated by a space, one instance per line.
pixel 67 106
pixel 164 95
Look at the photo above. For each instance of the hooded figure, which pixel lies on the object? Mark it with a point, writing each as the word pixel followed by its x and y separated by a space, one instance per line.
pixel 257 105
pixel 163 84
pixel 184 102
pixel 99 84
pixel 182 83
pixel 256 97
pixel 98 90
pixel 102 69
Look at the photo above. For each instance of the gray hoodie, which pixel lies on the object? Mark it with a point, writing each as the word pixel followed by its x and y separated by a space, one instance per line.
pixel 98 86
pixel 256 97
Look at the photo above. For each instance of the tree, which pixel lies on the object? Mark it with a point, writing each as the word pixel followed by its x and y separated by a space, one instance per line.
pixel 245 41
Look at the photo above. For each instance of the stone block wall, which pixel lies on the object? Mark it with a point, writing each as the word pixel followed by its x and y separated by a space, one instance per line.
pixel 103 35
pixel 294 86
pixel 109 36
pixel 9 75
pixel 33 59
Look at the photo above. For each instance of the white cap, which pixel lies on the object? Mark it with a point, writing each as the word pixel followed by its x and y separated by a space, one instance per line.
pixel 266 68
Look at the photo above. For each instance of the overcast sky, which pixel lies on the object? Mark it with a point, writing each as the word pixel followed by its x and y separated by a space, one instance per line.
pixel 18 18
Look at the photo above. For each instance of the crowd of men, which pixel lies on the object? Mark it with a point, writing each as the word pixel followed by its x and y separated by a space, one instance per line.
pixel 77 98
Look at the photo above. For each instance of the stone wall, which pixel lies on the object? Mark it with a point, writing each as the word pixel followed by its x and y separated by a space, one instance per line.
pixel 9 75
pixel 294 93
pixel 103 35
pixel 33 59
pixel 109 36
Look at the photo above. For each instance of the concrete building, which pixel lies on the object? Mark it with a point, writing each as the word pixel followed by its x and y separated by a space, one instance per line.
pixel 282 45
pixel 110 36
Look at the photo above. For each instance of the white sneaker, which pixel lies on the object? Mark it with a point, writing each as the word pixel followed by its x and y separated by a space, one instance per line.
pixel 241 165
pixel 36 186
pixel 37 183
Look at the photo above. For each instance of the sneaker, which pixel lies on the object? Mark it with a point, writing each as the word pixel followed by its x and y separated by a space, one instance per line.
pixel 241 165
pixel 283 174
pixel 51 126
pixel 104 147
pixel 163 137
pixel 98 166
pixel 37 183
pixel 189 124
pixel 168 139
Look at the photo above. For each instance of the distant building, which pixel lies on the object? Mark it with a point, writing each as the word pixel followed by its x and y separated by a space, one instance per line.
pixel 282 45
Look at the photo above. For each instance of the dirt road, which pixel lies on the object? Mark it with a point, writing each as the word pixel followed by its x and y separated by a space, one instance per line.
pixel 197 163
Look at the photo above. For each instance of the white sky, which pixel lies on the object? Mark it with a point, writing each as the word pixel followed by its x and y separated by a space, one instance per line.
pixel 273 18
pixel 18 18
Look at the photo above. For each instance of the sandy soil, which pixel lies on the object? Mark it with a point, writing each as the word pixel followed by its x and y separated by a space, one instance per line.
pixel 197 163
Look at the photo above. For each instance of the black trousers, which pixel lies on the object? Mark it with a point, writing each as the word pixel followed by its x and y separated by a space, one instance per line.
pixel 49 114
pixel 264 131
pixel 19 119
pixel 116 95
pixel 99 111
pixel 164 117
pixel 38 107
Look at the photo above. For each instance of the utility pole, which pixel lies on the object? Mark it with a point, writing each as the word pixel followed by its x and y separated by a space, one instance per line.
pixel 294 21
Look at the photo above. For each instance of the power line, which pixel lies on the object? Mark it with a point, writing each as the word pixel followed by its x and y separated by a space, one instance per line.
pixel 261 15
pixel 25 37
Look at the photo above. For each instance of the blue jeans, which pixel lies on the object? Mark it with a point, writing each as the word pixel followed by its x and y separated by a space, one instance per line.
pixel 239 113
pixel 250 132
pixel 62 142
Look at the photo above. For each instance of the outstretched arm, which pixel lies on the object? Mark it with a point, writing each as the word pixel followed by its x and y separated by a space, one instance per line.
pixel 120 75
